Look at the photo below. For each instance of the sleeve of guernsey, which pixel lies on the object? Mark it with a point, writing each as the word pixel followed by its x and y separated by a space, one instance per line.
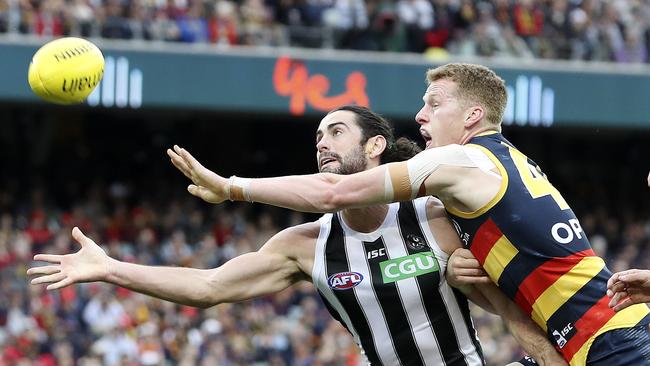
pixel 406 180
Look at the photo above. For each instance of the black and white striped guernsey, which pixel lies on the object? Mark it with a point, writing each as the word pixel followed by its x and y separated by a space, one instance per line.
pixel 388 289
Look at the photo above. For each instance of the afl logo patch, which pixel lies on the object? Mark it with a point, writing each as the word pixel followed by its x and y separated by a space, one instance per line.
pixel 344 280
pixel 415 242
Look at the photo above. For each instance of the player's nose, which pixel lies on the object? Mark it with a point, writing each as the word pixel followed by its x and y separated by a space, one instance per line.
pixel 420 117
pixel 322 145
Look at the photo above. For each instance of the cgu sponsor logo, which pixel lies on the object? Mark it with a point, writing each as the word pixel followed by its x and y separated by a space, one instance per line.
pixel 410 266
pixel 344 280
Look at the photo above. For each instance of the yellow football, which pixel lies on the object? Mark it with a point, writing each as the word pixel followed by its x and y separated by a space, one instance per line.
pixel 66 70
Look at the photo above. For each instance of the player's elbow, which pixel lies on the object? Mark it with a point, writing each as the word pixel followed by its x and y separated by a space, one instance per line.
pixel 214 292
pixel 332 198
pixel 208 300
pixel 331 201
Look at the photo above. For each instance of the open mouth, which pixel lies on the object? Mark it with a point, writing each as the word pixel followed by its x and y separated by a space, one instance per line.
pixel 426 137
pixel 326 160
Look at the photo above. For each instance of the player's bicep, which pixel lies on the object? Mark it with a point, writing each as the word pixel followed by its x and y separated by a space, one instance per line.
pixel 422 174
pixel 254 274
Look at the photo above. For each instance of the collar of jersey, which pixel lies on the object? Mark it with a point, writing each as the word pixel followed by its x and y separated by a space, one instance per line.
pixel 486 133
pixel 391 215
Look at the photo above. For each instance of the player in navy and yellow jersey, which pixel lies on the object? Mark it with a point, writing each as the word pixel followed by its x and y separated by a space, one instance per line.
pixel 531 244
pixel 511 218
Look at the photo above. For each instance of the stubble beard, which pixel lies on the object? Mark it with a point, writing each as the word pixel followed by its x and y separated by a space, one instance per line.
pixel 354 162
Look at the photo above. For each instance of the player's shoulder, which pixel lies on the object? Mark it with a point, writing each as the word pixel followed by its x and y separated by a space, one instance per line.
pixel 447 150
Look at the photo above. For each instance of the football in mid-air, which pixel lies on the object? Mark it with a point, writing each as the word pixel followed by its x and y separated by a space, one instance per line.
pixel 66 70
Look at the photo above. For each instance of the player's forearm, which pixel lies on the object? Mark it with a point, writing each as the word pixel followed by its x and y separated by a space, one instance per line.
pixel 533 340
pixel 307 193
pixel 322 192
pixel 477 297
pixel 528 334
pixel 187 286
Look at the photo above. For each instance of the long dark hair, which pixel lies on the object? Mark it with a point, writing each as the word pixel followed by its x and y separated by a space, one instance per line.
pixel 373 124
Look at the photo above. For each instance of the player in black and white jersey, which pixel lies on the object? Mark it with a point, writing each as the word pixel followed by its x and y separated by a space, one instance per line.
pixel 379 269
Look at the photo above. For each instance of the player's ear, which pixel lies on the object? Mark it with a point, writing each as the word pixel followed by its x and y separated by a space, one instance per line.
pixel 375 146
pixel 474 115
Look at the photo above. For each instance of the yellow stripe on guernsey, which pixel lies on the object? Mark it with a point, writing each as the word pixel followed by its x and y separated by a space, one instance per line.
pixel 623 319
pixel 564 287
pixel 500 255
pixel 495 199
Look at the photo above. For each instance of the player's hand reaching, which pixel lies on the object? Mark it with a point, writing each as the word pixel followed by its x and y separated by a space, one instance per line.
pixel 208 185
pixel 463 269
pixel 628 288
pixel 89 264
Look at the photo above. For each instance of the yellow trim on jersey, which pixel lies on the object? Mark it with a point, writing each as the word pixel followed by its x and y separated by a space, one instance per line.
pixel 487 133
pixel 500 255
pixel 564 287
pixel 496 198
pixel 625 318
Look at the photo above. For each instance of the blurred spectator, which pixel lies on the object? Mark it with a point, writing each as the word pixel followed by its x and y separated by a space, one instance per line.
pixel 115 24
pixel 417 17
pixel 82 16
pixel 552 29
pixel 223 24
pixel 192 25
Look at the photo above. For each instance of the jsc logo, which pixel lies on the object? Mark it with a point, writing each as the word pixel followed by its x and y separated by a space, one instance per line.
pixel 410 266
pixel 344 280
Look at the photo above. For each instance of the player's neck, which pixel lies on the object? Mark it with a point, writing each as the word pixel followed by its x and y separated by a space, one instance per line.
pixel 365 219
pixel 478 131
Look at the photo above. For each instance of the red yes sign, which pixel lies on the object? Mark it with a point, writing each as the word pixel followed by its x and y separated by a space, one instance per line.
pixel 291 79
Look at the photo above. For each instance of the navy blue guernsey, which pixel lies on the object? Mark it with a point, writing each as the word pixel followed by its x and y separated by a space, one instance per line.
pixel 532 246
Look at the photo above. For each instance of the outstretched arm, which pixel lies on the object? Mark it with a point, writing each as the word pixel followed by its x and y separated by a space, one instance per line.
pixel 247 276
pixel 435 171
pixel 628 288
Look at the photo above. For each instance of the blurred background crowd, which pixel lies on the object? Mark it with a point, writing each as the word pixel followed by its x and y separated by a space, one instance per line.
pixel 97 324
pixel 133 202
pixel 106 172
pixel 612 30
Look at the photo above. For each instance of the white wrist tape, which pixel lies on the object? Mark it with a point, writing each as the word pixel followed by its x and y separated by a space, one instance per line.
pixel 239 189
pixel 405 180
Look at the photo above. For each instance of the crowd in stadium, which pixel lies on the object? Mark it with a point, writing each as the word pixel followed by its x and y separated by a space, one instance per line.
pixel 97 324
pixel 552 29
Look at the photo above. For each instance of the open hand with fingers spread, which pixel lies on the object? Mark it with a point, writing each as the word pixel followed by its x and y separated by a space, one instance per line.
pixel 628 288
pixel 463 269
pixel 208 185
pixel 89 264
